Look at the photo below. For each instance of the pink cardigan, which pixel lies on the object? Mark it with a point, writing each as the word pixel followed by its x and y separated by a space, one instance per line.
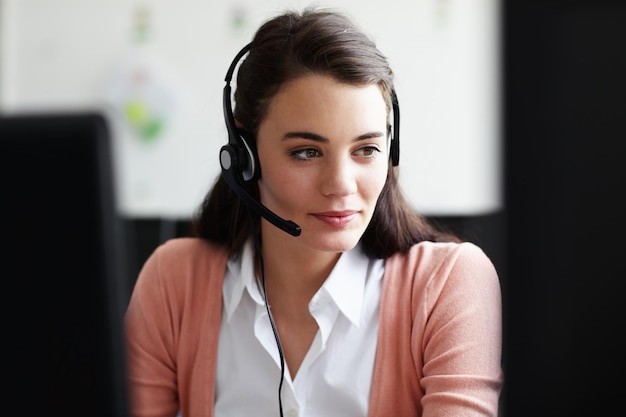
pixel 439 343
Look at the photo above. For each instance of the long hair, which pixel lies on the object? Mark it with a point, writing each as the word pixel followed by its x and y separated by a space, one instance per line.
pixel 286 47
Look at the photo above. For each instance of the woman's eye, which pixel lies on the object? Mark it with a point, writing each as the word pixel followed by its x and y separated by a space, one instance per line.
pixel 368 151
pixel 307 153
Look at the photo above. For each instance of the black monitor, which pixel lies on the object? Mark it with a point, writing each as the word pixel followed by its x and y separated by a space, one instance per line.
pixel 64 288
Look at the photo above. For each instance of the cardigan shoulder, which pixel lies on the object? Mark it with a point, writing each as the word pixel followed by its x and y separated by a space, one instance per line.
pixel 430 267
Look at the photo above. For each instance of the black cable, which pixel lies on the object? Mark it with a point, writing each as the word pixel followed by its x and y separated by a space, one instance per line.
pixel 257 244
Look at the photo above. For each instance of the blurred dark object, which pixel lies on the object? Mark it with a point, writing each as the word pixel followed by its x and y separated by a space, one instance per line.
pixel 64 275
pixel 564 128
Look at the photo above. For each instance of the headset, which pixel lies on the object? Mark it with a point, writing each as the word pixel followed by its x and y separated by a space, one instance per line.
pixel 240 162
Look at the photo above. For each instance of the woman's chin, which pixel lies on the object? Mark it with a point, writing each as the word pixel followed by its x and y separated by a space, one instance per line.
pixel 335 242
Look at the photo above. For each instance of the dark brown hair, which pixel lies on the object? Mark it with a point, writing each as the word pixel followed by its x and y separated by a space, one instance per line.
pixel 286 47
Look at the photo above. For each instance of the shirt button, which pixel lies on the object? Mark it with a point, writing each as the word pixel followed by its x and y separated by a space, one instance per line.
pixel 292 413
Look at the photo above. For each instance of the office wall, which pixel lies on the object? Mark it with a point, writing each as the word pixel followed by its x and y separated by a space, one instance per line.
pixel 64 54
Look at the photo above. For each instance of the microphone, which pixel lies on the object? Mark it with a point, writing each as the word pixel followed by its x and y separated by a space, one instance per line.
pixel 227 157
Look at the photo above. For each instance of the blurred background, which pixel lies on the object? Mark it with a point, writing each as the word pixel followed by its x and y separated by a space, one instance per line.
pixel 512 118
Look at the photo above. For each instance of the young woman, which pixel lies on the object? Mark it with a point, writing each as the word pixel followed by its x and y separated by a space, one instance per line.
pixel 355 306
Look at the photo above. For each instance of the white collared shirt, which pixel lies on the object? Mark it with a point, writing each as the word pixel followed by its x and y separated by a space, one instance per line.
pixel 335 376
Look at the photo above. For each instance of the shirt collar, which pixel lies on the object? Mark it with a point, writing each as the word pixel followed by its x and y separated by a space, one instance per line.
pixel 239 276
pixel 345 284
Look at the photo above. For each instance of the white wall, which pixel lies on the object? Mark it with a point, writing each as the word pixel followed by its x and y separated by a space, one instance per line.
pixel 58 55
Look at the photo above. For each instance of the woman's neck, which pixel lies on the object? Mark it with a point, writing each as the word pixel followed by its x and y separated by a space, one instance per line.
pixel 293 274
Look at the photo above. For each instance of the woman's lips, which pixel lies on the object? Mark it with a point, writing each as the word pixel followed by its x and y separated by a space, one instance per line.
pixel 337 219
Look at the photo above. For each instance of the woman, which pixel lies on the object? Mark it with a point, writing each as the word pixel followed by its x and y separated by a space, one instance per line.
pixel 362 308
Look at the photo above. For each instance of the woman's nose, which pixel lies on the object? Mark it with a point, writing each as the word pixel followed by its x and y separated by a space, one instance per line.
pixel 339 177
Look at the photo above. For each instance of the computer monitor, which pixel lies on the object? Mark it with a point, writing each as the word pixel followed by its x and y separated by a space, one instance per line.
pixel 64 288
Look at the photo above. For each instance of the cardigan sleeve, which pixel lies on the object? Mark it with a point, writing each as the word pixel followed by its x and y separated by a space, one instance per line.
pixel 172 327
pixel 457 337
pixel 440 334
pixel 151 342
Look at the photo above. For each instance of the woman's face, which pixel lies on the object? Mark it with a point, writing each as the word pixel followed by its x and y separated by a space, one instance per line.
pixel 324 158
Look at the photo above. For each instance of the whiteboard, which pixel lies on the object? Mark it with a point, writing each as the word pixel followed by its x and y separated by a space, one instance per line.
pixel 58 55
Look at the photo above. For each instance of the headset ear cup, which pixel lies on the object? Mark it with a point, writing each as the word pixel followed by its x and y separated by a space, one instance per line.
pixel 250 168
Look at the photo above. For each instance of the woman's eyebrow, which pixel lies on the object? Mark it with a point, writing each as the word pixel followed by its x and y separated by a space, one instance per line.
pixel 305 135
pixel 320 138
pixel 370 135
